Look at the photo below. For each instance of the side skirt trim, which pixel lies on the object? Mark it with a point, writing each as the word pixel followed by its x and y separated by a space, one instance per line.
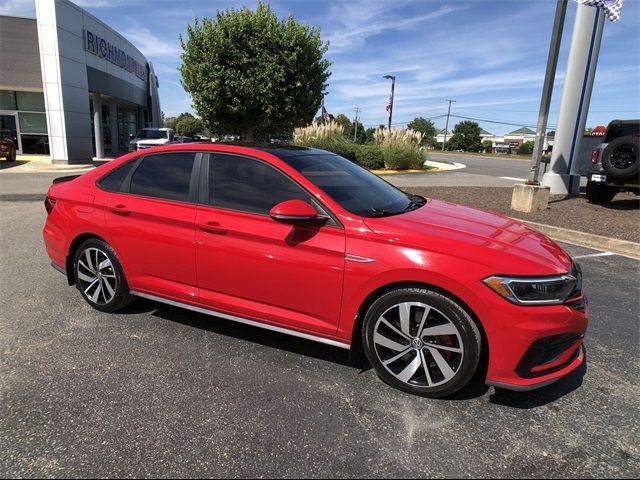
pixel 245 321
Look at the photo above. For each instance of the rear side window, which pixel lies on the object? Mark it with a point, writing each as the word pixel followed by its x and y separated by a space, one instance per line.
pixel 113 181
pixel 247 185
pixel 166 176
pixel 621 129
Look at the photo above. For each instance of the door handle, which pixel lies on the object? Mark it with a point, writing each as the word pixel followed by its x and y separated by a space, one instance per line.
pixel 213 227
pixel 121 210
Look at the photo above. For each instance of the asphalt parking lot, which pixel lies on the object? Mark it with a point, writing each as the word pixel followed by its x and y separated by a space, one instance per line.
pixel 158 391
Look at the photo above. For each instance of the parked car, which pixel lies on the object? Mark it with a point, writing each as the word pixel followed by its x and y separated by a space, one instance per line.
pixel 7 146
pixel 303 242
pixel 152 137
pixel 615 166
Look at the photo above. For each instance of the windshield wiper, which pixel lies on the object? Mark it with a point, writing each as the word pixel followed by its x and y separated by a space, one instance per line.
pixel 415 201
pixel 378 212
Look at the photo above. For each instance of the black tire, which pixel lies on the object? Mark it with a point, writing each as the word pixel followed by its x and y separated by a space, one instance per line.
pixel 11 157
pixel 620 157
pixel 109 291
pixel 599 192
pixel 434 383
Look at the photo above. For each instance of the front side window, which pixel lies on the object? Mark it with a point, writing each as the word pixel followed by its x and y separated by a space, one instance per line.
pixel 247 185
pixel 166 176
pixel 354 188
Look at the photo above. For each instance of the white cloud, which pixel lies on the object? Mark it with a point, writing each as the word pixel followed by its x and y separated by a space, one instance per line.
pixel 152 45
pixel 18 8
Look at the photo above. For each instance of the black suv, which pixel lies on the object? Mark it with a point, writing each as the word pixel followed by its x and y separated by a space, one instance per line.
pixel 615 166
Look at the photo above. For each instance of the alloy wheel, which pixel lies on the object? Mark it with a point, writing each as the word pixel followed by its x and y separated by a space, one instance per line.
pixel 96 276
pixel 418 344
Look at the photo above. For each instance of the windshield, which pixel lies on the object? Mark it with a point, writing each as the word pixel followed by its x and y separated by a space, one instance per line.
pixel 152 134
pixel 356 189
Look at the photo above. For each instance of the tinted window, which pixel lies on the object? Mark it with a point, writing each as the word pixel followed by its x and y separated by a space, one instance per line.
pixel 240 183
pixel 113 181
pixel 165 176
pixel 357 190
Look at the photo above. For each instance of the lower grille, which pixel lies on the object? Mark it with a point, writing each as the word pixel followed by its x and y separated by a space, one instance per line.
pixel 546 350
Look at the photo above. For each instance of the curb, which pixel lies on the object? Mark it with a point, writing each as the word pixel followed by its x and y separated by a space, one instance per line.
pixel 590 240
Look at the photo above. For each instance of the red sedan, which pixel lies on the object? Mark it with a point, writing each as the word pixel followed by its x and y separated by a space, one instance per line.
pixel 306 243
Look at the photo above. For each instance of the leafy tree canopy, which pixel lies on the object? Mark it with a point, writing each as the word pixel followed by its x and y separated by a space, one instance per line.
pixel 426 127
pixel 466 136
pixel 251 73
pixel 188 125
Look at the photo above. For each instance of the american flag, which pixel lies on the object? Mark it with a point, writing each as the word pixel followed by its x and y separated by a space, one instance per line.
pixel 611 7
pixel 325 114
pixel 389 107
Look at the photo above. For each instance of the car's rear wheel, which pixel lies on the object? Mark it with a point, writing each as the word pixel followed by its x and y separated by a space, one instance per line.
pixel 99 276
pixel 599 192
pixel 422 342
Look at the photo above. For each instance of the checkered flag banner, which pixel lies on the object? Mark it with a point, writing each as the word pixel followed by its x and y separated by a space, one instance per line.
pixel 611 7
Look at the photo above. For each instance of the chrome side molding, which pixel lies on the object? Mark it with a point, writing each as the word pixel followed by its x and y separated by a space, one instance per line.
pixel 356 258
pixel 245 321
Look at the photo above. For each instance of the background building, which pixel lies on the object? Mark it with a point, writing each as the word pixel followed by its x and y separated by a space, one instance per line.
pixel 72 87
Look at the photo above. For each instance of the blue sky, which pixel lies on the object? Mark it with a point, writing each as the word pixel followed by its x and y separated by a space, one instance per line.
pixel 489 56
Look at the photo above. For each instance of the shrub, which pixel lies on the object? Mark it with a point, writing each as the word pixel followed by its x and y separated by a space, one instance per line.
pixel 401 148
pixel 327 136
pixel 370 156
pixel 526 148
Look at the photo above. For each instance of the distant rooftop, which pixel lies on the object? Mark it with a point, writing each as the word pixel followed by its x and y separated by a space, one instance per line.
pixel 522 131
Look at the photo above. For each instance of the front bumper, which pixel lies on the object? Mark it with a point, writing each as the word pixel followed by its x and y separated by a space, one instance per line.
pixel 530 347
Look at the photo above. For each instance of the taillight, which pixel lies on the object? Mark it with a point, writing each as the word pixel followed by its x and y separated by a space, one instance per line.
pixel 595 154
pixel 49 203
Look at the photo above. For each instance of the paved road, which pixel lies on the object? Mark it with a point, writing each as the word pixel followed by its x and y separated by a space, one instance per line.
pixel 158 391
pixel 478 172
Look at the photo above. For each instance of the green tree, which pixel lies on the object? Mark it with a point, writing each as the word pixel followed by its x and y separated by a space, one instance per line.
pixel 368 135
pixel 426 127
pixel 466 136
pixel 249 72
pixel 188 126
pixel 525 148
pixel 487 146
pixel 169 122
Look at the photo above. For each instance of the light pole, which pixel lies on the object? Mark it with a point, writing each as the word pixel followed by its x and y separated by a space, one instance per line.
pixel 393 87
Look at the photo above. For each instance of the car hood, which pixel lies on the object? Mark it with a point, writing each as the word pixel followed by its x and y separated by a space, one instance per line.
pixel 504 244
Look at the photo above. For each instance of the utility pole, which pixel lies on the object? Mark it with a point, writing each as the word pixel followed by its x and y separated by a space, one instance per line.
pixel 547 90
pixel 355 125
pixel 447 124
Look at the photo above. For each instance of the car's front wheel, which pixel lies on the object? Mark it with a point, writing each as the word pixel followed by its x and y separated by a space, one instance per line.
pixel 422 342
pixel 99 276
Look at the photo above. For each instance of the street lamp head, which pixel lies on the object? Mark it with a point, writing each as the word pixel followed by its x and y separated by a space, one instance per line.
pixel 389 77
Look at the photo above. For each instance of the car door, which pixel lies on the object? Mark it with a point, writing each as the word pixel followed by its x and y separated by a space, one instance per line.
pixel 253 266
pixel 150 217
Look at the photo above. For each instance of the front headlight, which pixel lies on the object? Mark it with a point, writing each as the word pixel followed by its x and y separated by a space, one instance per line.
pixel 534 290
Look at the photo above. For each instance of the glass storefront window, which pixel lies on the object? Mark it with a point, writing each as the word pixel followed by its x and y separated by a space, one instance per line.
pixel 7 100
pixel 32 122
pixel 35 144
pixel 30 101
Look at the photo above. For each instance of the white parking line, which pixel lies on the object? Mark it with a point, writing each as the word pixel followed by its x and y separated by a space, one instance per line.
pixel 602 254
pixel 514 178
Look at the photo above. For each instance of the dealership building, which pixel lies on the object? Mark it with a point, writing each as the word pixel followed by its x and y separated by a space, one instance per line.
pixel 71 87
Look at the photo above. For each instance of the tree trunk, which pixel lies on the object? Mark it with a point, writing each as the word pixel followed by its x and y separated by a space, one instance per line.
pixel 248 136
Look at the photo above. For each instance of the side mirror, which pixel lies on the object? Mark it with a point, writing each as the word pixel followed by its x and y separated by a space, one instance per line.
pixel 295 212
